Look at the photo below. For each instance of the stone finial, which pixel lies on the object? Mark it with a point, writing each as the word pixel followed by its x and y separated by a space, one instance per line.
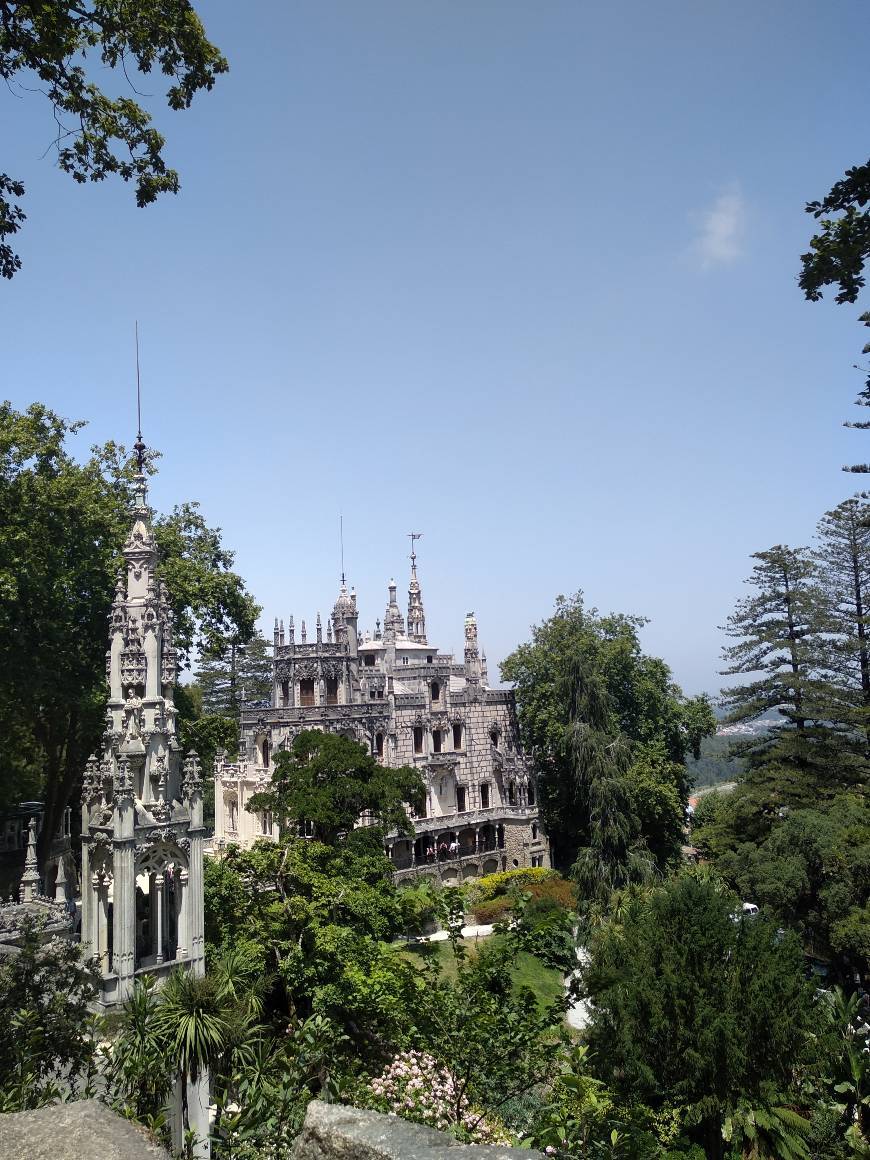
pixel 291 631
pixel 60 882
pixel 192 774
pixel 29 888
pixel 303 632
pixel 319 630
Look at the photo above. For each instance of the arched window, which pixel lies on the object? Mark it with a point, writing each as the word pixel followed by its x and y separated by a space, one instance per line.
pixel 379 744
pixel 457 736
pixel 530 793
pixel 436 740
pixel 512 794
pixel 534 832
pixel 267 752
pixel 418 739
pixel 494 735
pixel 436 691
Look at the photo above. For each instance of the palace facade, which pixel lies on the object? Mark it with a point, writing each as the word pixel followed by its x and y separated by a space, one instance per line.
pixel 409 704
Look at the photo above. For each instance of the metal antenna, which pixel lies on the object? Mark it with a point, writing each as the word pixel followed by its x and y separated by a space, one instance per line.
pixel 341 539
pixel 139 446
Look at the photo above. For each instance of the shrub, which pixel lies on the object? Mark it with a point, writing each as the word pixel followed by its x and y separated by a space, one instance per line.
pixel 415 1087
pixel 557 891
pixel 494 885
pixel 493 911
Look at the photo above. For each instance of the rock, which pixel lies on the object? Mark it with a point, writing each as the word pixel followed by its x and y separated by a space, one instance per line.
pixel 336 1132
pixel 83 1130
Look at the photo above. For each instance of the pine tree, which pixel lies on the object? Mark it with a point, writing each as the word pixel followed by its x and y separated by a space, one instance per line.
pixel 235 673
pixel 784 641
pixel 776 634
pixel 843 556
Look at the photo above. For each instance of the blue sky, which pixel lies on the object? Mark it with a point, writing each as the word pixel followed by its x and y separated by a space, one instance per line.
pixel 520 276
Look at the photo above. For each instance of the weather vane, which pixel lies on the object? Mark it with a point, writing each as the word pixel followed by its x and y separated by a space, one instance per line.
pixel 412 536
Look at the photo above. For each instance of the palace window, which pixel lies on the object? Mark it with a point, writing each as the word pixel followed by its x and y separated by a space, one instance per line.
pixel 285 693
pixel 332 690
pixel 457 736
pixel 512 794
pixel 460 799
pixel 418 739
pixel 379 744
pixel 436 691
pixel 436 740
pixel 484 796
pixel 494 735
pixel 266 753
pixel 306 693
pixel 369 660
pixel 428 660
pixel 534 832
pixel 530 793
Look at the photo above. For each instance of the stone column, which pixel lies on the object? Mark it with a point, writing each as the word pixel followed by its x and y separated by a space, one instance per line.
pixel 183 932
pixel 160 883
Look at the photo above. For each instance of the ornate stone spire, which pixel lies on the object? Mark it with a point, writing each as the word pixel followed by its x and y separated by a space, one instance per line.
pixel 29 888
pixel 416 615
pixel 472 652
pixel 394 623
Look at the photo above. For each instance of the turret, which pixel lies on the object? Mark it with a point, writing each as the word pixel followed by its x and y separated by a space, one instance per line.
pixel 416 615
pixel 472 652
pixel 394 624
pixel 345 619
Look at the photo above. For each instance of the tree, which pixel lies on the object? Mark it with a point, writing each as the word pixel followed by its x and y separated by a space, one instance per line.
pixel 775 630
pixel 233 672
pixel 694 1010
pixel 838 254
pixel 330 782
pixel 51 44
pixel 644 705
pixel 45 990
pixel 192 1020
pixel 783 643
pixel 611 854
pixel 62 527
pixel 843 556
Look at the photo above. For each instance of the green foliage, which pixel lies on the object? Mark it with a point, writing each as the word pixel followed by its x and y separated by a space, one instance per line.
pixel 330 781
pixel 581 1117
pixel 49 45
pixel 694 1010
pixel 495 910
pixel 321 916
pixel 503 881
pixel 643 705
pixel 232 670
pixel 51 1035
pixel 492 1037
pixel 810 870
pixel 716 763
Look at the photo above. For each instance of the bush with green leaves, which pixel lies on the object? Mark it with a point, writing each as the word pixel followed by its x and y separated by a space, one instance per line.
pixel 501 883
pixel 50 1046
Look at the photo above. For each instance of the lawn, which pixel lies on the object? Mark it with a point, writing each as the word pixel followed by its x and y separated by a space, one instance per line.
pixel 545 982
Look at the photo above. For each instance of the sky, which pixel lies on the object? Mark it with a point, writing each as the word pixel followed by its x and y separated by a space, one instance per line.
pixel 519 276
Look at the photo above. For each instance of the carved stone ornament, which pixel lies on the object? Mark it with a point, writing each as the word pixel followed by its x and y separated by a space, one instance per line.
pixel 123 784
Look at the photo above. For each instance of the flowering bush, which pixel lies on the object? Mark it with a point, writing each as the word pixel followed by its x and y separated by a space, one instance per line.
pixel 415 1087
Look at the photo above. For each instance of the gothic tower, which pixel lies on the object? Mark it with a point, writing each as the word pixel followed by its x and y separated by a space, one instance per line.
pixel 142 833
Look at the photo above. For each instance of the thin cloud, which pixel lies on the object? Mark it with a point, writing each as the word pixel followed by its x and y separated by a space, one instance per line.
pixel 721 229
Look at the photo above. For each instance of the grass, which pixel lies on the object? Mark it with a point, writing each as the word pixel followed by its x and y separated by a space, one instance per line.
pixel 545 982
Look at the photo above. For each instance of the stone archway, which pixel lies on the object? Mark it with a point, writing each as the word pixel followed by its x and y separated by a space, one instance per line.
pixel 161 920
